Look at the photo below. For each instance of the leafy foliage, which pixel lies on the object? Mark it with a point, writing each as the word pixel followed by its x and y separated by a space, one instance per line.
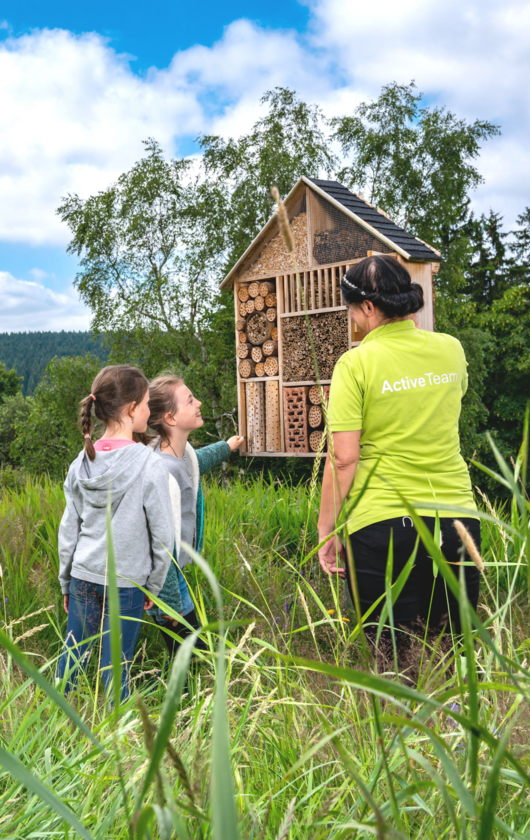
pixel 49 438
pixel 14 413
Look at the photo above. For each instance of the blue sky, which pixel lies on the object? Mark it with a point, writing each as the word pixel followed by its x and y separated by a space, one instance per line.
pixel 84 84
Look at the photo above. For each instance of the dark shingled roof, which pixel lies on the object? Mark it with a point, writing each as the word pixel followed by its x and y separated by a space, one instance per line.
pixel 396 234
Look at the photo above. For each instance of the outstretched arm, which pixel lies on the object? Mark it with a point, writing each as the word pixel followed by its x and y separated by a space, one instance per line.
pixel 213 455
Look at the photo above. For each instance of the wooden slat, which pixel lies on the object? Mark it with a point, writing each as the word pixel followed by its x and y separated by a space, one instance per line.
pixel 320 292
pixel 306 291
pixel 281 309
pixel 285 289
pixel 240 388
pixel 292 296
pixel 307 382
pixel 312 275
pixel 333 288
pixel 315 311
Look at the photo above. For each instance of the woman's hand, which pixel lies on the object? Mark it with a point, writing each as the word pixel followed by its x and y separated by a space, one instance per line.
pixel 235 442
pixel 66 602
pixel 329 554
pixel 148 604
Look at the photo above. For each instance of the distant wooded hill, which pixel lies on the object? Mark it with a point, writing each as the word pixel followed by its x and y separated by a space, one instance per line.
pixel 29 353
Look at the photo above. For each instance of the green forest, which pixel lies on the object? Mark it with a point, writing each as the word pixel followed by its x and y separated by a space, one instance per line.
pixel 29 353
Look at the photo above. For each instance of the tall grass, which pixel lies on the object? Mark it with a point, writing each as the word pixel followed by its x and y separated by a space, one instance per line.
pixel 279 731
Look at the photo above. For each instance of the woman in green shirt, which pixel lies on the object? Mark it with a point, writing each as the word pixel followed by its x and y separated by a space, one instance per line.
pixel 396 400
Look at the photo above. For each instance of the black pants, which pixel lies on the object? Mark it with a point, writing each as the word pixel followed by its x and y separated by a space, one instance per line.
pixel 182 631
pixel 370 554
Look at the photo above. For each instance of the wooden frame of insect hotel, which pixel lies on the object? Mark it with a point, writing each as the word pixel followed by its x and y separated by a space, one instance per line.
pixel 279 401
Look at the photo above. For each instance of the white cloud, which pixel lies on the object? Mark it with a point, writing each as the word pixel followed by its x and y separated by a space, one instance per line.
pixel 74 114
pixel 27 306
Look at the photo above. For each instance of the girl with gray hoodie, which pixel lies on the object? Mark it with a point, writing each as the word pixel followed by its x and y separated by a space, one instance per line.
pixel 141 522
pixel 175 413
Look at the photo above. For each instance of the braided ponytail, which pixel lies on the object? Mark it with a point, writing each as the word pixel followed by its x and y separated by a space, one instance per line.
pixel 86 425
pixel 115 387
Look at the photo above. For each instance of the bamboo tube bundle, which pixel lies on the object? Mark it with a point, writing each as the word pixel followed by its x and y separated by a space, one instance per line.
pixel 241 324
pixel 259 303
pixel 242 337
pixel 315 395
pixel 250 306
pixel 242 310
pixel 246 368
pixel 243 350
pixel 270 300
pixel 314 441
pixel 253 290
pixel 254 393
pixel 270 348
pixel 258 328
pixel 271 366
pixel 315 416
pixel 271 315
pixel 295 419
pixel 266 288
pixel 257 354
pixel 273 438
pixel 243 294
pixel 260 369
pixel 274 334
pixel 330 337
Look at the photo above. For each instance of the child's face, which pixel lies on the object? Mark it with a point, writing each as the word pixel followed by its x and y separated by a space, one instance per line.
pixel 188 416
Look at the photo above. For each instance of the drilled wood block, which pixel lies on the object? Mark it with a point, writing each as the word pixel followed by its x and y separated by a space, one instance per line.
pixel 243 294
pixel 242 338
pixel 253 290
pixel 260 369
pixel 259 303
pixel 274 333
pixel 295 419
pixel 246 368
pixel 257 354
pixel 243 351
pixel 250 306
pixel 270 348
pixel 315 396
pixel 273 438
pixel 266 288
pixel 314 441
pixel 241 323
pixel 255 405
pixel 270 366
pixel 314 416
pixel 271 315
pixel 270 300
pixel 242 310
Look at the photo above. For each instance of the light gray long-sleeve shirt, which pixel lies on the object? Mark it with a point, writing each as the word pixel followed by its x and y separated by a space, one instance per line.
pixel 141 519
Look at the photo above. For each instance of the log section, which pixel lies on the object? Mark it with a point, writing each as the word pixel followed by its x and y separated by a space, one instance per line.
pixel 273 436
pixel 258 328
pixel 243 294
pixel 270 366
pixel 253 290
pixel 246 368
pixel 257 354
pixel 270 348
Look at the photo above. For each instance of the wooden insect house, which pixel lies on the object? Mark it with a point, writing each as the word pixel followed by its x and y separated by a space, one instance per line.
pixel 279 402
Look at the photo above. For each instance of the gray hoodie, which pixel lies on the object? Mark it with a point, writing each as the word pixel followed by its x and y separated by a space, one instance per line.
pixel 141 519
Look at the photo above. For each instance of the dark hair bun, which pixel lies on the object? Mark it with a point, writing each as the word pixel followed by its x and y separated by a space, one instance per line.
pixel 386 283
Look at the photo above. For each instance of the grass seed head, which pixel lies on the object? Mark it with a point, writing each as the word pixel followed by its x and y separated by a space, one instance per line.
pixel 469 544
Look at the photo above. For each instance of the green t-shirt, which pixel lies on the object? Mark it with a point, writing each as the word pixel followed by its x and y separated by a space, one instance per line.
pixel 403 388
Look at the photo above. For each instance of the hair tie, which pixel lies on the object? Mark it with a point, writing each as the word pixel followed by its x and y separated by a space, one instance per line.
pixel 353 286
pixel 93 397
pixel 87 437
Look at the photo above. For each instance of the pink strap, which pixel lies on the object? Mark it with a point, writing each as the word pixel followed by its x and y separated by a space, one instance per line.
pixel 87 437
pixel 93 397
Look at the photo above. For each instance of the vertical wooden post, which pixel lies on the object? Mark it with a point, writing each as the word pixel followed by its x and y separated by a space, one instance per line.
pixel 280 309
pixel 240 388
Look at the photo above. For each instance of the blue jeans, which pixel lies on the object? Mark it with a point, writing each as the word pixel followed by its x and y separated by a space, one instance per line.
pixel 87 603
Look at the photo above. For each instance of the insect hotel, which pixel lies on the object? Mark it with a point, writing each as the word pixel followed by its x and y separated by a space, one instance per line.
pixel 279 401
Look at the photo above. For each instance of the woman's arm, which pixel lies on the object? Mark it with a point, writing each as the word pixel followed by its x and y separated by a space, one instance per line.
pixel 336 484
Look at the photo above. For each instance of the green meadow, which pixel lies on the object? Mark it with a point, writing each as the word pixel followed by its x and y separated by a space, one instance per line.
pixel 291 725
